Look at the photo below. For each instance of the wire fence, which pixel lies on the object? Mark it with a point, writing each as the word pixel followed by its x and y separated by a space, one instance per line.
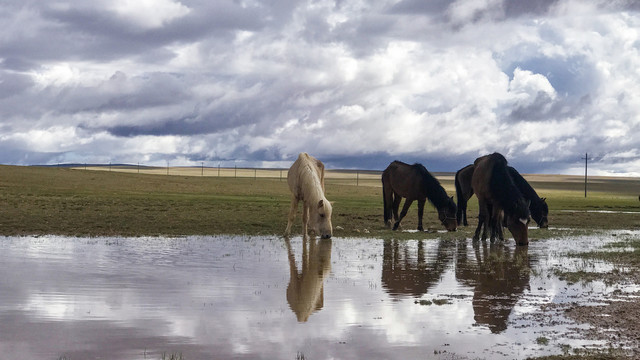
pixel 352 177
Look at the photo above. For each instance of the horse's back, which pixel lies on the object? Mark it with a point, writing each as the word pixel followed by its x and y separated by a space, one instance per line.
pixel 394 167
pixel 402 179
pixel 304 166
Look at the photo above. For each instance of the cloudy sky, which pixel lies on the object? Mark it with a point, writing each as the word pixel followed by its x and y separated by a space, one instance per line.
pixel 355 83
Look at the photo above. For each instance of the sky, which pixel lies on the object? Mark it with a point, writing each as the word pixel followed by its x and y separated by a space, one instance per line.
pixel 357 84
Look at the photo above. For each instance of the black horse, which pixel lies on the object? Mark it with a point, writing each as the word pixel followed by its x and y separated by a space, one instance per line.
pixel 538 207
pixel 496 191
pixel 414 182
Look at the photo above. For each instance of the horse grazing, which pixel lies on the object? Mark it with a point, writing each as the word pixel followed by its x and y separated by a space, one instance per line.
pixel 496 191
pixel 538 207
pixel 306 182
pixel 414 182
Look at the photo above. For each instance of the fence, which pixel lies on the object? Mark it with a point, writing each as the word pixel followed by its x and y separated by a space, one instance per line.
pixel 351 177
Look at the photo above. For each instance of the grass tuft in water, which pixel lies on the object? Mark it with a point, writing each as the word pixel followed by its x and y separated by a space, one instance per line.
pixel 172 356
pixel 541 340
pixel 441 301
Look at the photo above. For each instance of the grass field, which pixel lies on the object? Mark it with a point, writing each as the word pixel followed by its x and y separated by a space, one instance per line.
pixel 123 202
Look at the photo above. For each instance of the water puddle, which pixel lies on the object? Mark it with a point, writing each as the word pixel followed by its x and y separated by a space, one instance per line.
pixel 264 297
pixel 601 211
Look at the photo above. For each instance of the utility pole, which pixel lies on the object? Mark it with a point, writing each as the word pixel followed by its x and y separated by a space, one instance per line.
pixel 586 159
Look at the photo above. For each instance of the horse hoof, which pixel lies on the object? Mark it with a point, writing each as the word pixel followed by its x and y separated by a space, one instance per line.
pixel 420 228
pixel 395 226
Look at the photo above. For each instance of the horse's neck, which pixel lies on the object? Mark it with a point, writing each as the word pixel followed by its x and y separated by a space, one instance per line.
pixel 436 193
pixel 312 186
pixel 530 194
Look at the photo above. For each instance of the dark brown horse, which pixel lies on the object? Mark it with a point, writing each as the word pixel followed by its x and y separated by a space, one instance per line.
pixel 496 191
pixel 538 207
pixel 414 182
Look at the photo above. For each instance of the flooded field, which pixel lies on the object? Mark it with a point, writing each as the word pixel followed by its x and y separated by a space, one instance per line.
pixel 264 297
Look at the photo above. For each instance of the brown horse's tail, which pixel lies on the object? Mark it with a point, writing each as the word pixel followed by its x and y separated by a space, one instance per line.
pixel 387 201
pixel 462 202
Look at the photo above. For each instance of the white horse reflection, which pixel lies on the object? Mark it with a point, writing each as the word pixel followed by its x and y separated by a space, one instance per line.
pixel 305 292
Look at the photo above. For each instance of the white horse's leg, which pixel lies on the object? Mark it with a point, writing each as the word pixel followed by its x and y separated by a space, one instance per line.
pixel 292 215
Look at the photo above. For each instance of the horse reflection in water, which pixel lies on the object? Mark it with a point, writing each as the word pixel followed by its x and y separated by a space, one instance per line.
pixel 406 271
pixel 305 292
pixel 499 278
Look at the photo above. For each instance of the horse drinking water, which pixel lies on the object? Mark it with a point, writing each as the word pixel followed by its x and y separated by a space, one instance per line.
pixel 306 182
pixel 538 206
pixel 496 191
pixel 414 182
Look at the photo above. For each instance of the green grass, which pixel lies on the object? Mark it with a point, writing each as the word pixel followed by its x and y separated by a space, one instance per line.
pixel 41 200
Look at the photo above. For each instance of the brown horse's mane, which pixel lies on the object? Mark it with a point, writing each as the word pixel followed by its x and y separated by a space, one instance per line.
pixel 435 192
pixel 538 207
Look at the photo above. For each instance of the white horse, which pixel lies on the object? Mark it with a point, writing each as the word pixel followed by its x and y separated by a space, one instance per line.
pixel 306 182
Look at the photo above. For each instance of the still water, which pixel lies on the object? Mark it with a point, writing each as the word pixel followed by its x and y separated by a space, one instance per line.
pixel 267 298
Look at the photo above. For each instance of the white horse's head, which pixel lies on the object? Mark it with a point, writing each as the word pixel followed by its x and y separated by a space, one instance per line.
pixel 320 219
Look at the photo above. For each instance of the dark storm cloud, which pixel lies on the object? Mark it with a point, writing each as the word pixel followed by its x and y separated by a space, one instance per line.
pixel 438 9
pixel 120 93
pixel 83 31
pixel 539 109
pixel 192 125
pixel 380 160
pixel 11 84
pixel 517 8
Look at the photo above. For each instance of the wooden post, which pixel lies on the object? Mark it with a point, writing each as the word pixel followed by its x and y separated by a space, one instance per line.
pixel 586 159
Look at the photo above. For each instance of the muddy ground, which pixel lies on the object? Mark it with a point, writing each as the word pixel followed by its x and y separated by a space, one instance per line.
pixel 616 320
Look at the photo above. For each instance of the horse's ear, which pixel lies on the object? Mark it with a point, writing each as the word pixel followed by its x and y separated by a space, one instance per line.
pixel 320 203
